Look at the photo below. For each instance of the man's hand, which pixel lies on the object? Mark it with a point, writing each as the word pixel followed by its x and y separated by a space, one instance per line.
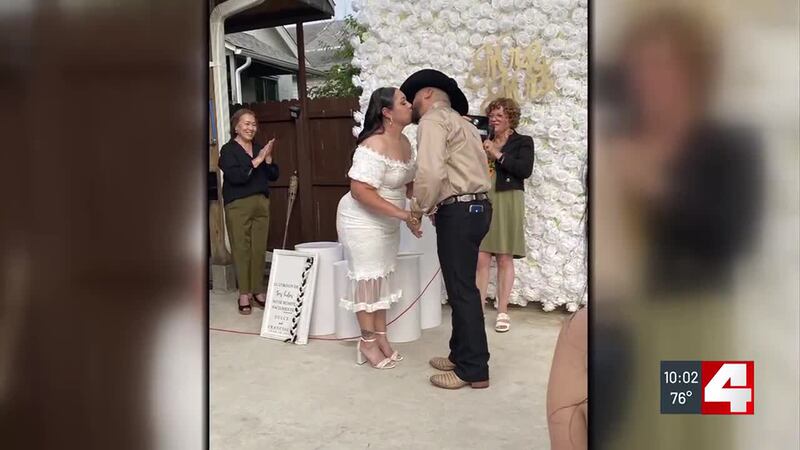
pixel 414 223
pixel 415 228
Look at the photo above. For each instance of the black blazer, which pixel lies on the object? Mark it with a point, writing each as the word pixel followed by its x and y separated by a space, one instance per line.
pixel 241 178
pixel 713 213
pixel 516 164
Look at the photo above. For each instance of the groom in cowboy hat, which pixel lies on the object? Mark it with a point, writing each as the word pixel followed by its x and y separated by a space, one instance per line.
pixel 450 187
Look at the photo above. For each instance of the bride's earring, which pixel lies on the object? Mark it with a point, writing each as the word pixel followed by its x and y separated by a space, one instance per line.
pixel 391 121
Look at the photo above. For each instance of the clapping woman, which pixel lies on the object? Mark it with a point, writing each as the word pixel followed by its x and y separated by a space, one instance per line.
pixel 247 168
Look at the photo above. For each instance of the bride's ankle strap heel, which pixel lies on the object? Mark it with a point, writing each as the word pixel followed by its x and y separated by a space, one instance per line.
pixel 396 356
pixel 386 363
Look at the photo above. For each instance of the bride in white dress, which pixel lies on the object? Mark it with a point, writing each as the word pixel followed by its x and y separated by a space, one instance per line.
pixel 368 220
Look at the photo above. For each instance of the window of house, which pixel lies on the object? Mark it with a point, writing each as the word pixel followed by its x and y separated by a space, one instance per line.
pixel 266 89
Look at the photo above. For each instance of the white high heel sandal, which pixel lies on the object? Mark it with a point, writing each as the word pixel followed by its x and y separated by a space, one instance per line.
pixel 385 363
pixel 396 356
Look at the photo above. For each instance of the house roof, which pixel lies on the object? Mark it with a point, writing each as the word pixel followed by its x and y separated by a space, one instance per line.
pixel 268 54
pixel 273 13
pixel 321 42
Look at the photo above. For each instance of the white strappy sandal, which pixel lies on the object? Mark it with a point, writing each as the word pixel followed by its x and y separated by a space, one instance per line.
pixel 502 323
pixel 385 363
pixel 396 356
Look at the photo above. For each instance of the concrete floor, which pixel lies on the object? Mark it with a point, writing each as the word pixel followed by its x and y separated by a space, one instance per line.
pixel 265 394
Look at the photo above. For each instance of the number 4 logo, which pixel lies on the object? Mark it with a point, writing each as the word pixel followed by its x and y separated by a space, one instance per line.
pixel 728 387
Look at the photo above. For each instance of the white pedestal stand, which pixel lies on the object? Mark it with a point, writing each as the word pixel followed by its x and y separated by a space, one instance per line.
pixel 407 327
pixel 431 301
pixel 323 318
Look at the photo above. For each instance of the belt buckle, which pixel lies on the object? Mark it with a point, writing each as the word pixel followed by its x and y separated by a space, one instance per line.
pixel 463 198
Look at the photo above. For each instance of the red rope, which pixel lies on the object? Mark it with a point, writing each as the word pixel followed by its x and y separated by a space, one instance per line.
pixel 319 338
pixel 233 331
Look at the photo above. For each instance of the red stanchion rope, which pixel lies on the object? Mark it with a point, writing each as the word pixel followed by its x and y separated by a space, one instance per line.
pixel 320 338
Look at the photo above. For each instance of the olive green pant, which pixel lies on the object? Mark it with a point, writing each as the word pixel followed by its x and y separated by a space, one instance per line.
pixel 247 220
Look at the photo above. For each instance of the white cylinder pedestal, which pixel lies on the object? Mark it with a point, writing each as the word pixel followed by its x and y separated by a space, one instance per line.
pixel 431 301
pixel 323 319
pixel 346 321
pixel 407 327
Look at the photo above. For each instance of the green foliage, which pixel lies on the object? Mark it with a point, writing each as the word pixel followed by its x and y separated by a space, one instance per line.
pixel 339 79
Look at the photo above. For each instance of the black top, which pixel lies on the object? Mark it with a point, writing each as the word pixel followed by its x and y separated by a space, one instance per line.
pixel 516 164
pixel 241 179
pixel 712 214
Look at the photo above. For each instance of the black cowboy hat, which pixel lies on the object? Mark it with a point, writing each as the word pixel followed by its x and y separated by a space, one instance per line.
pixel 433 78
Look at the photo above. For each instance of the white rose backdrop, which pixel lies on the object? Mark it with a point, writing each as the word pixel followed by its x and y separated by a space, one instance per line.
pixel 403 37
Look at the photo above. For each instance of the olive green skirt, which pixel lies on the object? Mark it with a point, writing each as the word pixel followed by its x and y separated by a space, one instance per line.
pixel 506 235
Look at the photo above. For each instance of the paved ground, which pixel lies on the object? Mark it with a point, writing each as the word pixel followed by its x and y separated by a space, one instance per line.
pixel 267 394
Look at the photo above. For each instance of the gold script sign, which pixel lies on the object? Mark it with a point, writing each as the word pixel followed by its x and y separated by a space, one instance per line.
pixel 520 73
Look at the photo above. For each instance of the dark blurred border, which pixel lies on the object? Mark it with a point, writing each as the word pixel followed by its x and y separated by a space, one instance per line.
pixel 694 215
pixel 102 255
pixel 591 385
pixel 207 253
pixel 205 45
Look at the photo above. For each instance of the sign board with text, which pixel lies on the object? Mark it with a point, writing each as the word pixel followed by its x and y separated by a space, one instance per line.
pixel 290 296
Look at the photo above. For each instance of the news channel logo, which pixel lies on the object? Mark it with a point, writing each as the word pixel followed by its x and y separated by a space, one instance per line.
pixel 708 387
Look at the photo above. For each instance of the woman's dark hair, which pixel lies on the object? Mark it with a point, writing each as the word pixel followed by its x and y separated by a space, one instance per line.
pixel 237 116
pixel 373 119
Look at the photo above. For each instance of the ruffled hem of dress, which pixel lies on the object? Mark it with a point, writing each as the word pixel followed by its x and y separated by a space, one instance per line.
pixel 373 275
pixel 381 304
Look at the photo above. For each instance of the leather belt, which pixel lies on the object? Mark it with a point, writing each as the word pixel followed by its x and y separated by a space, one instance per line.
pixel 465 198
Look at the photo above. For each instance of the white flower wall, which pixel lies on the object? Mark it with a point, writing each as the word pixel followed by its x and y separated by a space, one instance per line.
pixel 406 36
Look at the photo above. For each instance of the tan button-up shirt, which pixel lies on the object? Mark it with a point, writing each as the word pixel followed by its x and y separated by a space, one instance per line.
pixel 450 159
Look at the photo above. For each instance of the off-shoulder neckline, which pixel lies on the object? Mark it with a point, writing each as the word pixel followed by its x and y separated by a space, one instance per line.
pixel 386 158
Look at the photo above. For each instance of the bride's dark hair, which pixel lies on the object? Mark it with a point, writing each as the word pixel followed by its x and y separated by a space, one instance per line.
pixel 373 119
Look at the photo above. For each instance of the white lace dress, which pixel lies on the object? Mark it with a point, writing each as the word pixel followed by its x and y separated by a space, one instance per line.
pixel 371 241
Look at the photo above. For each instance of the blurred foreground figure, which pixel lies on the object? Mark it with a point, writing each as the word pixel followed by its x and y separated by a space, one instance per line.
pixel 567 415
pixel 676 198
pixel 693 179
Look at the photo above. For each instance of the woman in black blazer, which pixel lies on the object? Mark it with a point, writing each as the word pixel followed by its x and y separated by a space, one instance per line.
pixel 511 162
pixel 247 169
